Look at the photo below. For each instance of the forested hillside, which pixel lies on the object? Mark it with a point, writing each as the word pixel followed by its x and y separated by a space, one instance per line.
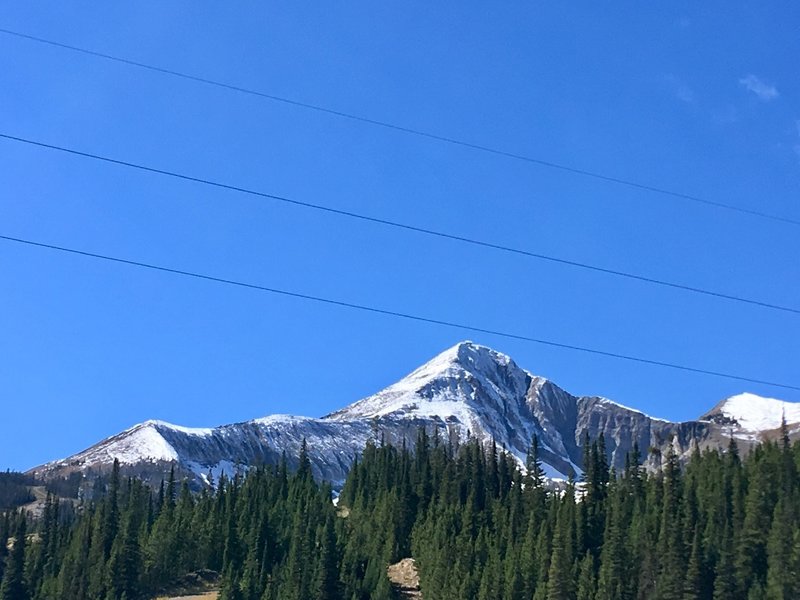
pixel 720 528
pixel 15 489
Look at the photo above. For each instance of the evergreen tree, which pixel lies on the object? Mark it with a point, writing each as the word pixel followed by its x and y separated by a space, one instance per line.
pixel 671 577
pixel 782 576
pixel 559 578
pixel 326 584
pixel 725 576
pixel 533 464
pixel 14 586
pixel 693 584
pixel 587 584
pixel 751 559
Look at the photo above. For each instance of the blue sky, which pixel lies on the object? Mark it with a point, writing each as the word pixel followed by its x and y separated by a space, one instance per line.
pixel 698 98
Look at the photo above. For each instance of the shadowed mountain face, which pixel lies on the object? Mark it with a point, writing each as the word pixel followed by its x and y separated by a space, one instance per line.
pixel 468 390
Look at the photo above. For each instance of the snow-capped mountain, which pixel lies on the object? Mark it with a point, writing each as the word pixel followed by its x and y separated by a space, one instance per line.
pixel 468 390
pixel 754 415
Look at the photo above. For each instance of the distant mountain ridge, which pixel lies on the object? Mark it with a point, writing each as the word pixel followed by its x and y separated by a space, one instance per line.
pixel 468 390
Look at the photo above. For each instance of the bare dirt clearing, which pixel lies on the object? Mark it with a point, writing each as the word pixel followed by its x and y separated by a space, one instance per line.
pixel 405 579
pixel 206 596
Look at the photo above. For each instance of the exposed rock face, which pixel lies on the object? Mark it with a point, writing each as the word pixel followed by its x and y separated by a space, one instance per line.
pixel 468 390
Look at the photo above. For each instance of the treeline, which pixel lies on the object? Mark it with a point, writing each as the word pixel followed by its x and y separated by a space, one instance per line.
pixel 271 535
pixel 723 527
pixel 15 489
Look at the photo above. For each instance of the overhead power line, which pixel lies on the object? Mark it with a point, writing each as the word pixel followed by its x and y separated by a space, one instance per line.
pixel 392 313
pixel 408 227
pixel 416 132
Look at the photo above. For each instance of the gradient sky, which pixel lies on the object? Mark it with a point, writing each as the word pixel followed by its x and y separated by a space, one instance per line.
pixel 700 98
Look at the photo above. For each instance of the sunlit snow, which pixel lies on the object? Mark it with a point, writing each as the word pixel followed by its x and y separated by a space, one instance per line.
pixel 755 413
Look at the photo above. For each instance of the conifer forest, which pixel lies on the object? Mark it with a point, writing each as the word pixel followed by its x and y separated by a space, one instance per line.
pixel 723 526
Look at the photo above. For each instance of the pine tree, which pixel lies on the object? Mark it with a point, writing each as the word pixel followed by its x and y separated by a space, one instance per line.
pixel 14 586
pixel 326 584
pixel 533 464
pixel 5 532
pixel 725 575
pixel 124 566
pixel 587 583
pixel 756 592
pixel 559 578
pixel 751 559
pixel 671 577
pixel 782 578
pixel 611 583
pixel 304 463
pixel 693 583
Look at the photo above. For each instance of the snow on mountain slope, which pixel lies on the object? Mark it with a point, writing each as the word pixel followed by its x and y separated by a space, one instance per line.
pixel 470 390
pixel 448 386
pixel 466 391
pixel 756 413
pixel 141 442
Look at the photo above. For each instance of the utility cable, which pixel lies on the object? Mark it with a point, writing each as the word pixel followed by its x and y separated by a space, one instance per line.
pixel 392 313
pixel 408 227
pixel 416 132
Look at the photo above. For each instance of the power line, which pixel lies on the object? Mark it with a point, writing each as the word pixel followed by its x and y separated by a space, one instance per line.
pixel 391 313
pixel 408 227
pixel 416 132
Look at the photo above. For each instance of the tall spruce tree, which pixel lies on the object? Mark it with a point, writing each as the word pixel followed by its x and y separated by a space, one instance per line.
pixel 14 585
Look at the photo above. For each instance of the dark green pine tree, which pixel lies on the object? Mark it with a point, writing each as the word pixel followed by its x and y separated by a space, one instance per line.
pixel 756 592
pixel 514 584
pixel 533 464
pixel 231 588
pixel 671 578
pixel 587 581
pixel 782 577
pixel 491 586
pixel 296 578
pixel 304 463
pixel 693 583
pixel 326 581
pixel 14 586
pixel 725 573
pixel 529 559
pixel 751 559
pixel 559 576
pixel 73 575
pixel 612 557
pixel 5 532
pixel 110 525
pixel 125 563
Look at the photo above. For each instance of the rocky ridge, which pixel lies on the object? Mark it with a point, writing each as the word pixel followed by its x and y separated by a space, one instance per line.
pixel 467 391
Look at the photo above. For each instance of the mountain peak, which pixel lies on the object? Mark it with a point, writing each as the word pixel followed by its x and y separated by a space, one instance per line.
pixel 754 413
pixel 445 385
pixel 472 355
pixel 466 355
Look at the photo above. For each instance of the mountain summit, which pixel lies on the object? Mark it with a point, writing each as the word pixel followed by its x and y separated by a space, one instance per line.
pixel 457 385
pixel 466 391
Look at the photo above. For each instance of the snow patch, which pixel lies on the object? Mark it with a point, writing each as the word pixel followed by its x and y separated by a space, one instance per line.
pixel 199 431
pixel 142 442
pixel 281 420
pixel 628 408
pixel 756 413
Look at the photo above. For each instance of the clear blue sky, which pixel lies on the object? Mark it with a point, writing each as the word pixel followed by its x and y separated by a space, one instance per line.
pixel 699 98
